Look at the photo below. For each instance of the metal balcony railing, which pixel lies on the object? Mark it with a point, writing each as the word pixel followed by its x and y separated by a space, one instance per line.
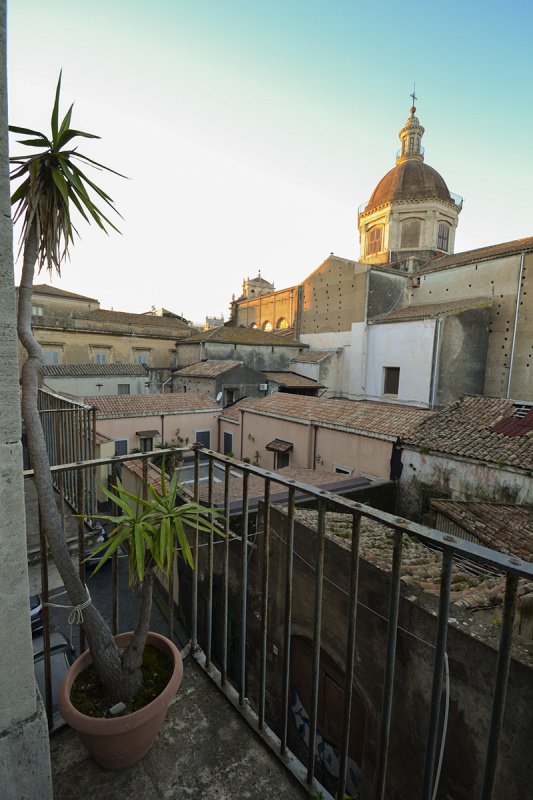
pixel 235 647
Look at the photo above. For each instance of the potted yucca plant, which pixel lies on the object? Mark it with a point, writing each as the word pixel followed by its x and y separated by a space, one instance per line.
pixel 51 182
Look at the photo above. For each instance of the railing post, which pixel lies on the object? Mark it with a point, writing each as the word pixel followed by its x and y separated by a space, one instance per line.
pixel 390 662
pixel 264 605
pixel 350 652
pixel 225 611
pixel 500 686
pixel 80 497
pixel 440 649
pixel 287 620
pixel 244 586
pixel 194 621
pixel 317 630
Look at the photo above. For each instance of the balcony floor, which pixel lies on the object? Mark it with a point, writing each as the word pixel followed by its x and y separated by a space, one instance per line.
pixel 204 750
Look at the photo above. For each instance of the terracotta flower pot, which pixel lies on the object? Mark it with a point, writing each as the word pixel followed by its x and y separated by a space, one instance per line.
pixel 120 742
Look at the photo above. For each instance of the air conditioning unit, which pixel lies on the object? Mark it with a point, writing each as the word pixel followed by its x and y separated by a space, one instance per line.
pixel 263 387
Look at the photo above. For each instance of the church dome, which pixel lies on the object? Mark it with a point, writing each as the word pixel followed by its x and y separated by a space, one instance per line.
pixel 411 179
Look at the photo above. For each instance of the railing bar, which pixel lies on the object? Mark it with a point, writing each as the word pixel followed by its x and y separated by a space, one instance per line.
pixel 114 566
pixel 225 611
pixel 194 636
pixel 244 586
pixel 390 663
pixel 500 686
pixel 210 568
pixel 45 590
pixel 350 653
pixel 264 605
pixel 144 485
pixel 287 621
pixel 80 492
pixel 438 668
pixel 170 600
pixel 321 526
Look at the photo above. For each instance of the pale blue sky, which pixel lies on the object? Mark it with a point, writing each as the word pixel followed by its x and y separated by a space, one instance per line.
pixel 252 131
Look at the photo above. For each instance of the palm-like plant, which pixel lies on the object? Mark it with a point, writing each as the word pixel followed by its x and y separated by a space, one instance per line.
pixel 51 183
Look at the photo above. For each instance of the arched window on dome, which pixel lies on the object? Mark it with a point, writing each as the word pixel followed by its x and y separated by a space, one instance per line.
pixel 281 324
pixel 443 239
pixel 267 326
pixel 374 239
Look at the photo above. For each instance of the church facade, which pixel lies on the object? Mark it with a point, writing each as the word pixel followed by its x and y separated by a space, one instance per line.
pixel 412 321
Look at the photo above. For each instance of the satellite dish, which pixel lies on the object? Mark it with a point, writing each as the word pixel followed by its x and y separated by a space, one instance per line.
pixel 219 397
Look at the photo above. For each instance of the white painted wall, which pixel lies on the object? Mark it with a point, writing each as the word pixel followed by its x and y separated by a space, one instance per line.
pixel 408 345
pixel 86 386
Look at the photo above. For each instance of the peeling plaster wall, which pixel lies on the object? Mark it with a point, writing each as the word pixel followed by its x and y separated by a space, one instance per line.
pixel 432 475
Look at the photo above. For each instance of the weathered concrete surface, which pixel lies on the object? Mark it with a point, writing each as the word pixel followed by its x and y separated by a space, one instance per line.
pixel 24 758
pixel 203 750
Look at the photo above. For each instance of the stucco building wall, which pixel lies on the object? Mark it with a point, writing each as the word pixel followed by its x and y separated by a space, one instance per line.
pixel 188 423
pixel 95 384
pixel 259 357
pixel 269 309
pixel 428 475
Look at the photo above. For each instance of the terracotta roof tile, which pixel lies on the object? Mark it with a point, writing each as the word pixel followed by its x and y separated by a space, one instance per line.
pixel 466 428
pixel 431 310
pixel 207 369
pixel 149 405
pixel 365 416
pixel 293 380
pixel 507 528
pixel 172 324
pixel 58 370
pixel 242 336
pixel 480 254
pixel 312 356
pixel 44 288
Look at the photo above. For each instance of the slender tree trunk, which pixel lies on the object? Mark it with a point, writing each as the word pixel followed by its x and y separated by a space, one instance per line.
pixel 119 682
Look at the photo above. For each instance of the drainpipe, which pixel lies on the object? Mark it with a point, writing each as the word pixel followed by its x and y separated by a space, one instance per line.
pixel 314 445
pixel 242 430
pixel 162 428
pixel 517 307
pixel 436 362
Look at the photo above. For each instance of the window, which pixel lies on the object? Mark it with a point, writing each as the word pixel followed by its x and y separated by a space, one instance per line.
pixel 343 470
pixel 228 443
pixel 444 237
pixel 36 311
pixel 281 324
pixel 147 443
pixel 123 388
pixel 230 395
pixel 282 460
pixel 121 447
pixel 267 326
pixel 101 356
pixel 374 240
pixel 142 357
pixel 391 381
pixel 51 355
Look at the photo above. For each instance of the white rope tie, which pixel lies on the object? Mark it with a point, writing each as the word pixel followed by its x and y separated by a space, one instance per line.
pixel 75 616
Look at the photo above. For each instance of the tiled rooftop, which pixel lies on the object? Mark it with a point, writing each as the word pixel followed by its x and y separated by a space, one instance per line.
pixel 139 405
pixel 421 567
pixel 479 254
pixel 465 428
pixel 431 310
pixel 44 288
pixel 58 370
pixel 242 336
pixel 364 416
pixel 312 356
pixel 144 320
pixel 508 528
pixel 207 369
pixel 293 380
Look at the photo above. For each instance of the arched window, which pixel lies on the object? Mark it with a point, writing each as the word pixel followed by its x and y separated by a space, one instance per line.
pixel 375 239
pixel 281 324
pixel 267 326
pixel 443 239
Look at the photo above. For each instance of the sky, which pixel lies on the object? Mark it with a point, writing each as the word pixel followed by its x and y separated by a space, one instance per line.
pixel 251 131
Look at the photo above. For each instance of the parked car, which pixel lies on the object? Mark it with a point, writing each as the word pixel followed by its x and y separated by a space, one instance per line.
pixel 62 655
pixel 36 614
